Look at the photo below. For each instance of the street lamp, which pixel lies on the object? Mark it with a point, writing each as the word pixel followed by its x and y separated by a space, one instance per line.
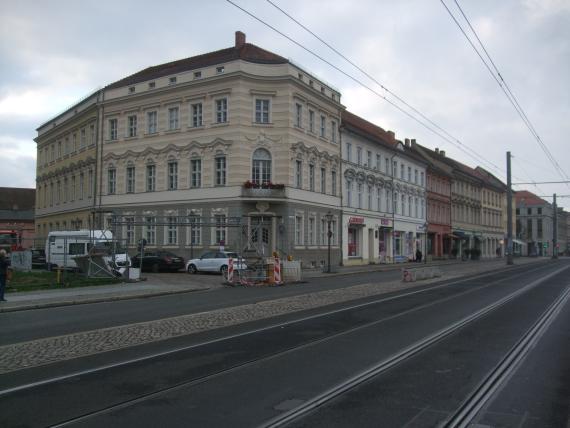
pixel 329 217
pixel 425 242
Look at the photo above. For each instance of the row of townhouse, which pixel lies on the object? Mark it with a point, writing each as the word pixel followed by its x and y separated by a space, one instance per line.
pixel 535 226
pixel 243 148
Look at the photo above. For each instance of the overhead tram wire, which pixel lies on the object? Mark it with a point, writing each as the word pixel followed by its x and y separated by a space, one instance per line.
pixel 511 99
pixel 512 95
pixel 526 173
pixel 372 78
pixel 392 103
pixel 544 182
pixel 509 94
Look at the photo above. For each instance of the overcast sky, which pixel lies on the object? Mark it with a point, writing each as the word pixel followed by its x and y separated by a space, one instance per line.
pixel 52 53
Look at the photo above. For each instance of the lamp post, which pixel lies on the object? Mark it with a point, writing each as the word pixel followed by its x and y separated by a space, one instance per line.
pixel 425 242
pixel 329 217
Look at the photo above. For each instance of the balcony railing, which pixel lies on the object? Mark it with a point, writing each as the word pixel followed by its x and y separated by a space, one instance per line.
pixel 263 190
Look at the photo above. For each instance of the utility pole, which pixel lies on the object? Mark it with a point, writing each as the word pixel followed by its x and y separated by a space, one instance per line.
pixel 509 212
pixel 555 229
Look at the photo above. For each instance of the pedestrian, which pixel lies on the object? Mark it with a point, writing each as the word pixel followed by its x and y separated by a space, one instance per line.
pixel 498 251
pixel 3 273
pixel 418 256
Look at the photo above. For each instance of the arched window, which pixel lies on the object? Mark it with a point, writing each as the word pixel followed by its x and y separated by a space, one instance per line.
pixel 261 166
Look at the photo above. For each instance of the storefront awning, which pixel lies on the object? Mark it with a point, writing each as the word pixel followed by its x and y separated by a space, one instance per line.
pixel 461 235
pixel 452 236
pixel 516 241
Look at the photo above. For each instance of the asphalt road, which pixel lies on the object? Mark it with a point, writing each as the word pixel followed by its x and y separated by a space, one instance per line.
pixel 403 359
pixel 32 325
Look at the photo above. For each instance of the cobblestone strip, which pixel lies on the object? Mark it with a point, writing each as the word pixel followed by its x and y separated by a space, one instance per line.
pixel 49 350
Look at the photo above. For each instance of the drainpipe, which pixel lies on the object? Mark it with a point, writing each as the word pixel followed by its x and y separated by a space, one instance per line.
pixel 98 159
pixel 340 224
pixel 393 210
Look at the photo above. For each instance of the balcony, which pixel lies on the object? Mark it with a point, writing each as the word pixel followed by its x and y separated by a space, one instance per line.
pixel 262 190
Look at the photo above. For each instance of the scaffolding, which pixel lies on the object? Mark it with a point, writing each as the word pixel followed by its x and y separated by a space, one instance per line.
pixel 256 239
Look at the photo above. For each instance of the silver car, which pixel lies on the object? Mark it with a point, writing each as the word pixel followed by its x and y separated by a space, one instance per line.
pixel 215 261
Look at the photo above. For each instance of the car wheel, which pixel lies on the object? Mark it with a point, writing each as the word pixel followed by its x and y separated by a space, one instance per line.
pixel 192 269
pixel 154 268
pixel 224 270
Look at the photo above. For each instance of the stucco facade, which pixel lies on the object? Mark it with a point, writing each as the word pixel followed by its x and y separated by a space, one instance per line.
pixel 383 195
pixel 67 150
pixel 237 133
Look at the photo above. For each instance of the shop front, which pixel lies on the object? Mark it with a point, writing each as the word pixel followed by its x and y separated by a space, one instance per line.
pixel 367 240
pixel 407 238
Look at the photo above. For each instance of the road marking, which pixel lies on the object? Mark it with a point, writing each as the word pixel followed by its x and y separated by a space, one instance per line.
pixel 397 358
pixel 266 328
pixel 508 365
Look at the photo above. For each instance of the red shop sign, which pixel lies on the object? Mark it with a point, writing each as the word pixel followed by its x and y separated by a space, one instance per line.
pixel 356 220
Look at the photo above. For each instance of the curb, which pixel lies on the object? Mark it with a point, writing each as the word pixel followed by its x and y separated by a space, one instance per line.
pixel 96 300
pixel 173 292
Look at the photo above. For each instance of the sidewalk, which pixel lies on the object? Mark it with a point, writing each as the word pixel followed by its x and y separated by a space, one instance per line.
pixel 159 285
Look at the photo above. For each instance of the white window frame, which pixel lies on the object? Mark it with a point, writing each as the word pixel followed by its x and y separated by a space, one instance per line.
pixel 220 229
pixel 130 179
pixel 195 173
pixel 113 129
pixel 312 231
pixel 151 122
pixel 150 229
pixel 299 230
pixel 171 230
pixel 173 118
pixel 262 114
pixel 150 182
pixel 298 115
pixel 132 126
pixel 195 229
pixel 261 166
pixel 333 131
pixel 220 170
pixel 111 181
pixel 221 110
pixel 172 175
pixel 197 115
pixel 298 174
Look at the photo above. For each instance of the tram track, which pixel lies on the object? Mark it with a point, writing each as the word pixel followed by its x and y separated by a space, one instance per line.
pixel 384 365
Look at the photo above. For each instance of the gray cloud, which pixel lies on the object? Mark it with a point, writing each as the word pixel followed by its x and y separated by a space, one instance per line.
pixel 59 51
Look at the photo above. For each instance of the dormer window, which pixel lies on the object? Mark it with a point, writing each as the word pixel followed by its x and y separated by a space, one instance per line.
pixel 311 83
pixel 220 69
pixel 300 76
pixel 172 81
pixel 322 89
pixel 151 85
pixel 131 90
pixel 197 75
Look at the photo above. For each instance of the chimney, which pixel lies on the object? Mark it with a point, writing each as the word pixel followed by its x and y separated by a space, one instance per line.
pixel 413 142
pixel 437 150
pixel 240 39
pixel 391 134
pixel 442 153
pixel 407 142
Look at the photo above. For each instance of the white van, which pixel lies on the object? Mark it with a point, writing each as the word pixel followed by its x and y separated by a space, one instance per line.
pixel 63 245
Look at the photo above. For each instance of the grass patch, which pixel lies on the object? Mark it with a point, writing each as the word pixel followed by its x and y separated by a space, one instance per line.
pixel 44 280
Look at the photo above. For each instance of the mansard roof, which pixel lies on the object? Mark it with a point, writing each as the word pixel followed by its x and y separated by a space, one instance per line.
pixel 529 198
pixel 246 52
pixel 367 129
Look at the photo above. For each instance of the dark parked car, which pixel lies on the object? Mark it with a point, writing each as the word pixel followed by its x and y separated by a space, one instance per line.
pixel 158 261
pixel 38 259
